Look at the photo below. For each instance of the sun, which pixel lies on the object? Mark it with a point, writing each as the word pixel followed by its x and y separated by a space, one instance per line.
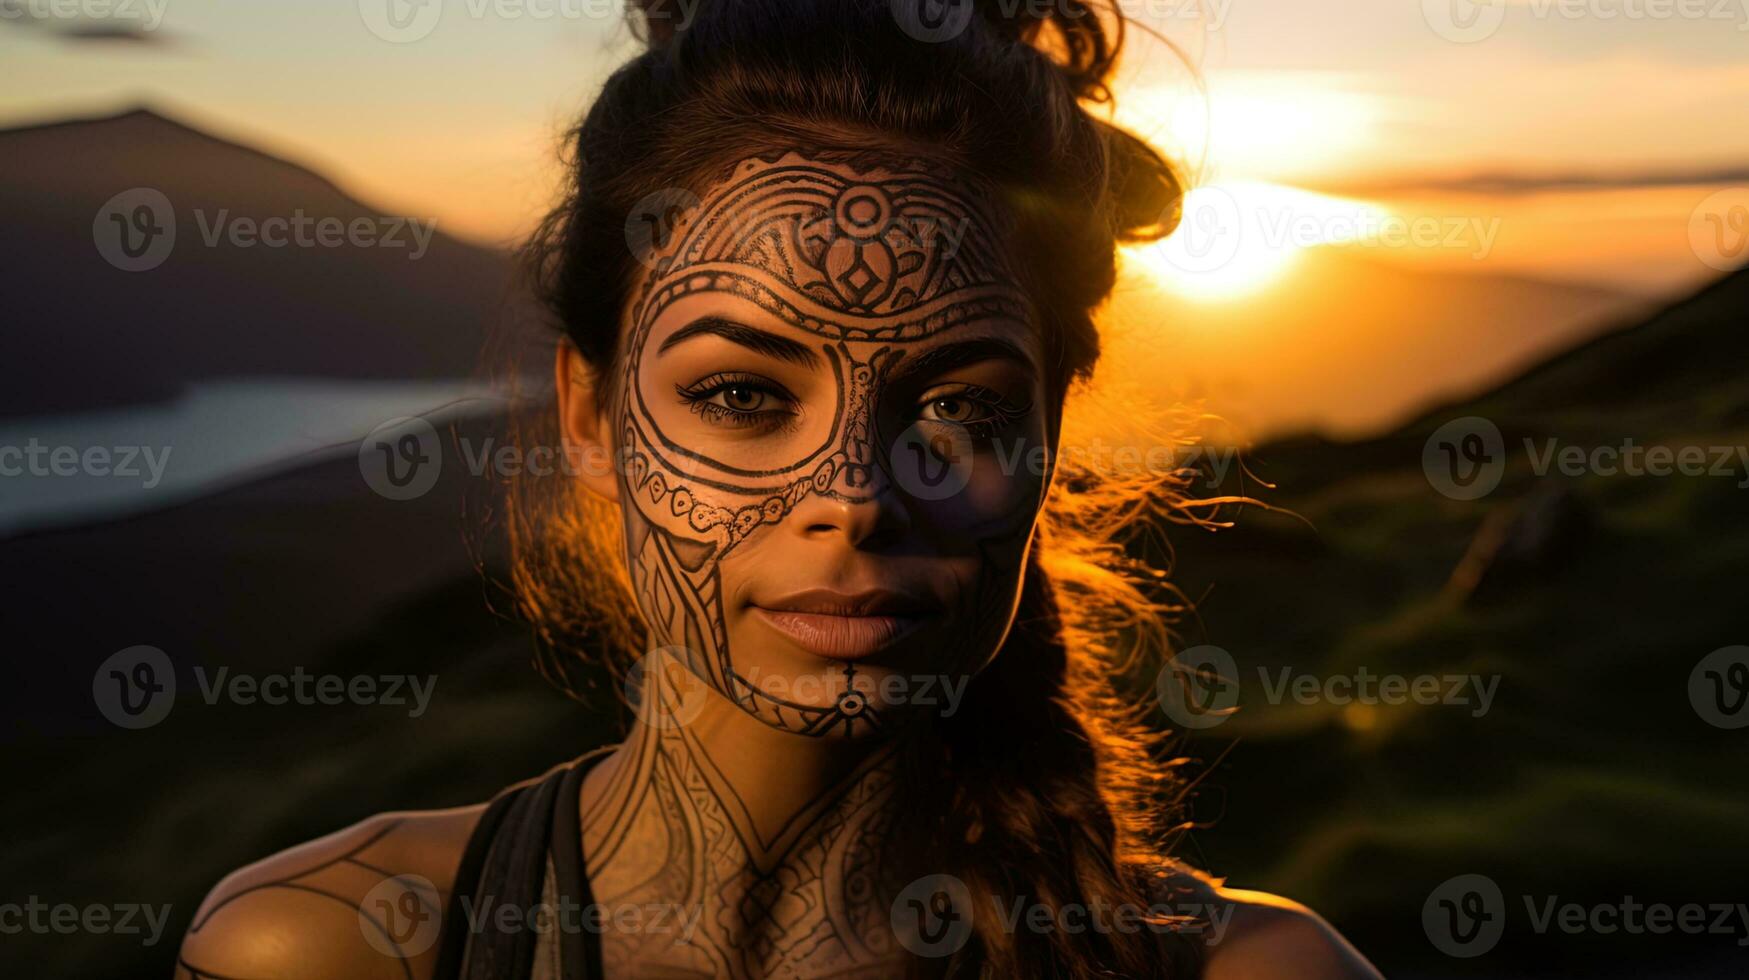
pixel 1237 239
pixel 1253 134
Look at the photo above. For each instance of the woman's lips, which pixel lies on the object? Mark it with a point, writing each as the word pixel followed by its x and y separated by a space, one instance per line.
pixel 843 627
pixel 839 637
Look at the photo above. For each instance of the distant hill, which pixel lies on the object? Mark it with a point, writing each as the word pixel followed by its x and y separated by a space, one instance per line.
pixel 1590 599
pixel 82 334
pixel 1350 343
pixel 1682 366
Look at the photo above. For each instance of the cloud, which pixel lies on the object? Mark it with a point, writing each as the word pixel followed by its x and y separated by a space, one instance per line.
pixel 1532 183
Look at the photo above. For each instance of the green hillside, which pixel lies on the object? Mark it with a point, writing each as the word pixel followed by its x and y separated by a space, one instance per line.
pixel 1589 599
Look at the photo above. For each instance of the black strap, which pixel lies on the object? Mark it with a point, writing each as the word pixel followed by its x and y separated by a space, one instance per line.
pixel 454 938
pixel 580 949
pixel 505 862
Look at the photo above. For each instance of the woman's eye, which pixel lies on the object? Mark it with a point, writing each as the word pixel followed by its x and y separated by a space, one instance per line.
pixel 956 409
pixel 974 407
pixel 740 398
pixel 739 402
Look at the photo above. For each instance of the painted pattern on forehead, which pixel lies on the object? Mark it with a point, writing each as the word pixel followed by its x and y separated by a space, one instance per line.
pixel 889 258
pixel 869 263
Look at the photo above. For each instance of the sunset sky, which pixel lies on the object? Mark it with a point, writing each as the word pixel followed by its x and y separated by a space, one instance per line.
pixel 1603 142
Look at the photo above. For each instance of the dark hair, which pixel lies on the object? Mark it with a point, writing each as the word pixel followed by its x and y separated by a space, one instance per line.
pixel 1057 796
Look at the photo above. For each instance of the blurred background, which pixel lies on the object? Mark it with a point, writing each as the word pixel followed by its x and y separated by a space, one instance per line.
pixel 1455 276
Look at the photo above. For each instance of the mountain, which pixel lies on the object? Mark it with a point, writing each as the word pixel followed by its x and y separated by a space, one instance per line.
pixel 83 334
pixel 1677 369
pixel 1349 343
pixel 1588 599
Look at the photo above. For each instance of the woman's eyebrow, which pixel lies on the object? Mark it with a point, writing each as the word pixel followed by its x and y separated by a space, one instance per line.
pixel 754 339
pixel 947 357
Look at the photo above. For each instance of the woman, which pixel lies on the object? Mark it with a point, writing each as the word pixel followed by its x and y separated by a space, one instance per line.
pixel 813 411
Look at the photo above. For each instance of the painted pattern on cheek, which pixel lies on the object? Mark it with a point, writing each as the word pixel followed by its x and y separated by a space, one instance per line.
pixel 869 265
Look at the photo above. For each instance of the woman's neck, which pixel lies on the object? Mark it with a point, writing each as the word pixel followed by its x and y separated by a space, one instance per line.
pixel 748 832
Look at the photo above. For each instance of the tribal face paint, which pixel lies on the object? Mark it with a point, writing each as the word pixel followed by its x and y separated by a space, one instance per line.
pixel 830 374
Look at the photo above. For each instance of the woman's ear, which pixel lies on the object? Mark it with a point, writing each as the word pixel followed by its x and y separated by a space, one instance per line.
pixel 585 428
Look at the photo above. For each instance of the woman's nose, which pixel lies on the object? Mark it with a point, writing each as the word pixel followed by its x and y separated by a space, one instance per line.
pixel 858 502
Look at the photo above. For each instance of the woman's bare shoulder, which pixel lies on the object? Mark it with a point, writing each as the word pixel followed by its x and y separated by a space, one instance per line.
pixel 1249 935
pixel 1259 936
pixel 364 902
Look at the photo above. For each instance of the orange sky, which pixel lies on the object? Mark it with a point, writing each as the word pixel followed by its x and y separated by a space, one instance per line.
pixel 1359 125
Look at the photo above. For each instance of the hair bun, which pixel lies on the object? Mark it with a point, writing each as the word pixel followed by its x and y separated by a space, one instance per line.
pixel 1082 37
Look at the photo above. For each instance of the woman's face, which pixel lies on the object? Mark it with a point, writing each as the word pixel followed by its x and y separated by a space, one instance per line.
pixel 832 422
